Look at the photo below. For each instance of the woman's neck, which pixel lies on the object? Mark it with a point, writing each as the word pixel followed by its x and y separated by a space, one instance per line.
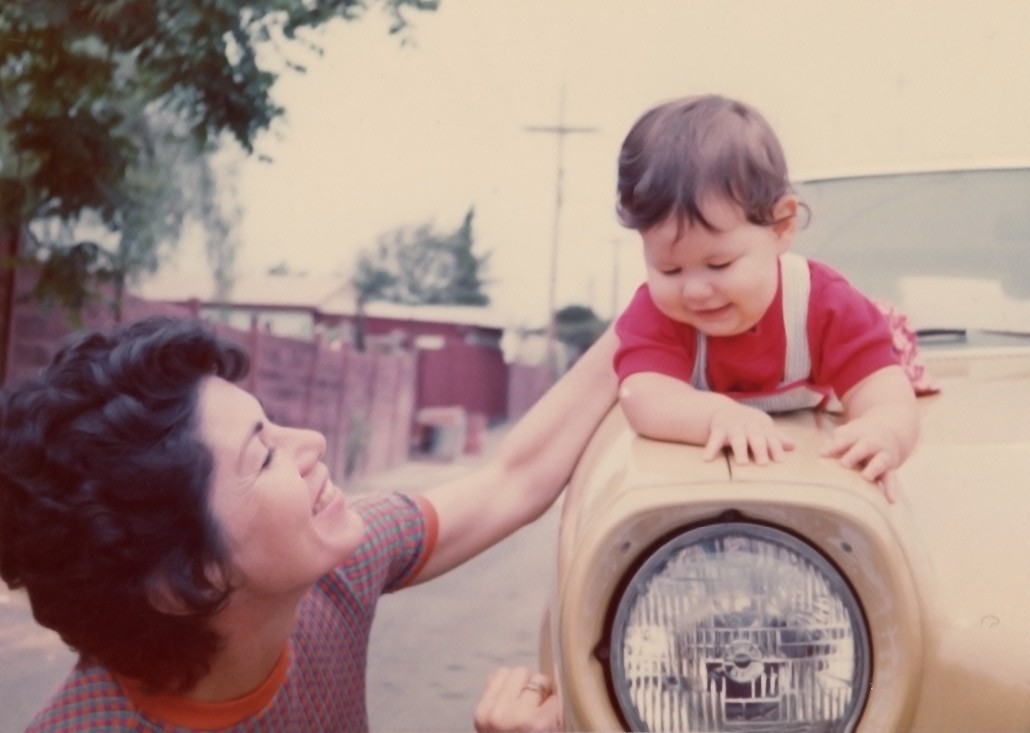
pixel 254 638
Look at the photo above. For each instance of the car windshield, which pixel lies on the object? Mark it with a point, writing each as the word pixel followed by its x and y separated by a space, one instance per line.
pixel 950 249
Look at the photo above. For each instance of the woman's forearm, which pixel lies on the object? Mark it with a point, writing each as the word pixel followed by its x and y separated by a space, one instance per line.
pixel 543 446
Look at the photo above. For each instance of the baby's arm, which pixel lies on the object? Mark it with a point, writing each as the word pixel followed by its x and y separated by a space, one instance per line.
pixel 664 408
pixel 882 425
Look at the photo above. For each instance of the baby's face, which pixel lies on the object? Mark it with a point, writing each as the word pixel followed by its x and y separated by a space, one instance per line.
pixel 721 280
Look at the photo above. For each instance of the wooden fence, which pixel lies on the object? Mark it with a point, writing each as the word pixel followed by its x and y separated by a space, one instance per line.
pixel 363 402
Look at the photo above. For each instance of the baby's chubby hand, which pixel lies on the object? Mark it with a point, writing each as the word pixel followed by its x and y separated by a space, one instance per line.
pixel 871 447
pixel 748 432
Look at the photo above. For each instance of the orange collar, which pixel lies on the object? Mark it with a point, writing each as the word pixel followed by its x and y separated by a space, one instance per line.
pixel 188 713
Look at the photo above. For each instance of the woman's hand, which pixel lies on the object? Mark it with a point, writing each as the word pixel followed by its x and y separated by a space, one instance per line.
pixel 517 700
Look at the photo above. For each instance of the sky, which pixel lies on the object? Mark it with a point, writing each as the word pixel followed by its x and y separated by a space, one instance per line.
pixel 381 134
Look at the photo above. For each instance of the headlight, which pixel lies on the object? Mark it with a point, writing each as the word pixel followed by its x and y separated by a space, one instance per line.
pixel 739 627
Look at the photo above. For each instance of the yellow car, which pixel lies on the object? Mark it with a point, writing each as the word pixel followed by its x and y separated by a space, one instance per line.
pixel 708 596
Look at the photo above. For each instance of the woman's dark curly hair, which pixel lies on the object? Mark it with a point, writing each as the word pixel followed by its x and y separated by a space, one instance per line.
pixel 104 498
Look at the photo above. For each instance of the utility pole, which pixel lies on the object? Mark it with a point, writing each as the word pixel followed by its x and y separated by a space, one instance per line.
pixel 559 130
pixel 616 256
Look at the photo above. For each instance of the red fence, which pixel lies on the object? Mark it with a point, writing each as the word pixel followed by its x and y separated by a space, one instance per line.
pixel 363 402
pixel 464 374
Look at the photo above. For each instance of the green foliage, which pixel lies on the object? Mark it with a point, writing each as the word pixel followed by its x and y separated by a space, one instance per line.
pixel 578 327
pixel 110 110
pixel 81 262
pixel 422 267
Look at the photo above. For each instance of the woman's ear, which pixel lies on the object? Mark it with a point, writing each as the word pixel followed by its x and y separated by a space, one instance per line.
pixel 785 221
pixel 163 598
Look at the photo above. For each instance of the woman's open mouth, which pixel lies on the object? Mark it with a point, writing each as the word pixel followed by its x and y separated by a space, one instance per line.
pixel 325 496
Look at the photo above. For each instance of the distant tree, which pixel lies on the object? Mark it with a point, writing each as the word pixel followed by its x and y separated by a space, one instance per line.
pixel 110 111
pixel 422 267
pixel 221 226
pixel 578 326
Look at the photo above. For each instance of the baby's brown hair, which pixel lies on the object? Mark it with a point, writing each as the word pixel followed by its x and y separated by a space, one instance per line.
pixel 681 152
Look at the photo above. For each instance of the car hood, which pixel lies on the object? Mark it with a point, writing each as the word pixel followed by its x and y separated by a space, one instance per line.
pixel 961 519
pixel 966 490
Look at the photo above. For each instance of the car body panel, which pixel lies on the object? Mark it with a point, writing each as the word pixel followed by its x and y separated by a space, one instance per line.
pixel 941 574
pixel 969 502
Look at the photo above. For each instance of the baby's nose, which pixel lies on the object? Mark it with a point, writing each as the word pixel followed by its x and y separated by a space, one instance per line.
pixel 695 287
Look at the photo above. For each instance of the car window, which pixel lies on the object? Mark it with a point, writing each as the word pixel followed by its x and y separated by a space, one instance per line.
pixel 951 249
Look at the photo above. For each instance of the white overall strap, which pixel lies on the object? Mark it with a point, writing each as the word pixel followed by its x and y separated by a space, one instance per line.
pixel 797 284
pixel 794 392
pixel 698 380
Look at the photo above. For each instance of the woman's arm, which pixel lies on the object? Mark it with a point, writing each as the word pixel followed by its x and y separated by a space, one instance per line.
pixel 530 468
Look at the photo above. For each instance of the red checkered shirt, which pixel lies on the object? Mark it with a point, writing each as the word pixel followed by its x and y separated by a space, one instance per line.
pixel 320 682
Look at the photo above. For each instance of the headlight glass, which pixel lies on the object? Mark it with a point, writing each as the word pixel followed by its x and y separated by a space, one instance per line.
pixel 739 627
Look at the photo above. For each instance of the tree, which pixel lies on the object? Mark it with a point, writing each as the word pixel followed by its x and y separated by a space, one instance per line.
pixel 110 110
pixel 421 267
pixel 577 326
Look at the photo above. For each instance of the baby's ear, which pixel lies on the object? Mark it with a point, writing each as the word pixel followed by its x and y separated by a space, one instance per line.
pixel 785 220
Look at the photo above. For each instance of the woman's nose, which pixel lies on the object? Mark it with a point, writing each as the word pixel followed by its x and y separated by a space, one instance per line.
pixel 307 447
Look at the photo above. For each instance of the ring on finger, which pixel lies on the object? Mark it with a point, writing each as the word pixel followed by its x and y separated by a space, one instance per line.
pixel 537 684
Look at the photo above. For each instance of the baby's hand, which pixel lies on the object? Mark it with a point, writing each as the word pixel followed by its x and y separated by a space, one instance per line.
pixel 746 430
pixel 869 446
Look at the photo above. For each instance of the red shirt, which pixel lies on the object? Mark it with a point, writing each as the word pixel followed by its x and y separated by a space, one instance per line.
pixel 848 338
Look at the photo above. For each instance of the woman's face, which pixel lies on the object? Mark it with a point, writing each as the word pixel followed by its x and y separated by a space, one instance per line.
pixel 285 523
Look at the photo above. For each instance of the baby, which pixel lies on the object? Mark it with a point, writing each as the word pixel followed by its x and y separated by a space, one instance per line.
pixel 730 324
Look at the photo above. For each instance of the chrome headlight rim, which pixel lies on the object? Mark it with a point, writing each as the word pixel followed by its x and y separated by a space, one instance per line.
pixel 610 651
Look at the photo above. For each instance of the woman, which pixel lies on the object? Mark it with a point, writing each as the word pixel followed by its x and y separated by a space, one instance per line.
pixel 198 556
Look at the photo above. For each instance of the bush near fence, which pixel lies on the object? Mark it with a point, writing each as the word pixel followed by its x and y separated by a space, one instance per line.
pixel 363 402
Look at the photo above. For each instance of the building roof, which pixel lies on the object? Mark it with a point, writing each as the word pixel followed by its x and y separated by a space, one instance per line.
pixel 330 295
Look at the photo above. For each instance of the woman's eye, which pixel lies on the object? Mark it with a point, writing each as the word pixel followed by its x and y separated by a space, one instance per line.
pixel 671 271
pixel 268 459
pixel 719 265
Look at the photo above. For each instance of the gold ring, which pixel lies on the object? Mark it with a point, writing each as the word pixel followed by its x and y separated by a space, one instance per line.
pixel 537 686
